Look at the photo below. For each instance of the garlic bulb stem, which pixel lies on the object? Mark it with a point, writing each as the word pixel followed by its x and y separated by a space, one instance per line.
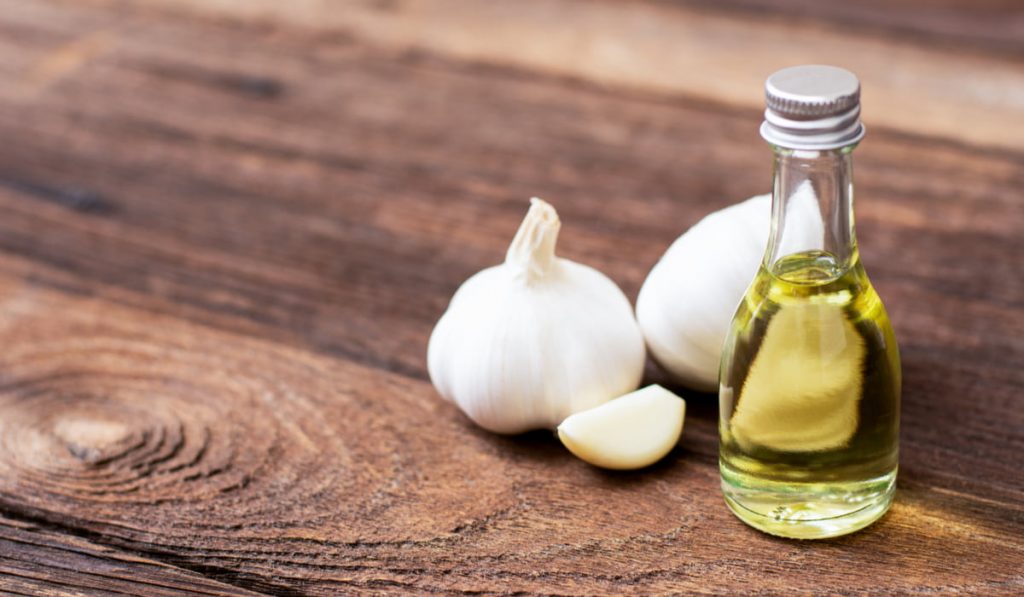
pixel 532 253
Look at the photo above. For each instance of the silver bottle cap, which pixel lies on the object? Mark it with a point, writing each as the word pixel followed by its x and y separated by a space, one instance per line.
pixel 812 107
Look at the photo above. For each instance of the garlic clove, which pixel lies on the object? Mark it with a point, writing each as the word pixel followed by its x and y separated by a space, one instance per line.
pixel 632 431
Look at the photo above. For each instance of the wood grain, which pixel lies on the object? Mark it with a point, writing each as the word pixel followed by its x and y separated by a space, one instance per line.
pixel 55 562
pixel 916 77
pixel 225 241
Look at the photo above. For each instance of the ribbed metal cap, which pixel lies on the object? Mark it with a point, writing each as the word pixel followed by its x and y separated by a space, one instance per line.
pixel 812 107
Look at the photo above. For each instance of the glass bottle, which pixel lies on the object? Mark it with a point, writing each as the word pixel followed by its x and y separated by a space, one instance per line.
pixel 810 375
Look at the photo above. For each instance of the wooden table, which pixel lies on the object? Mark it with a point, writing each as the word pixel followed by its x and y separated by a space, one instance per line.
pixel 228 227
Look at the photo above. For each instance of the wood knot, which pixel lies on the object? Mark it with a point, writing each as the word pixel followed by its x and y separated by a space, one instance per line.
pixel 92 440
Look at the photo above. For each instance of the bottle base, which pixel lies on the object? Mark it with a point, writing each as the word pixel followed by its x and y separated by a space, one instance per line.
pixel 807 510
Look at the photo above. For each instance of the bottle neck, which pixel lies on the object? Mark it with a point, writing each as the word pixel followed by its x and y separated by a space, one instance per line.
pixel 812 210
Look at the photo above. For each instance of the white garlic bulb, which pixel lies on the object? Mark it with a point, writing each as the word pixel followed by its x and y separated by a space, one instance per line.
pixel 687 303
pixel 525 344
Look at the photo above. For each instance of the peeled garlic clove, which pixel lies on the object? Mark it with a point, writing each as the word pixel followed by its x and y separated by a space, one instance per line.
pixel 687 303
pixel 633 431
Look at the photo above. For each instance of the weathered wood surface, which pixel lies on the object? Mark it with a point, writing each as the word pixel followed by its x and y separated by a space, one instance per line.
pixel 227 228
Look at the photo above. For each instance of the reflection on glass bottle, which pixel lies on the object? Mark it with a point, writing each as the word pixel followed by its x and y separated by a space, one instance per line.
pixel 810 377
pixel 803 387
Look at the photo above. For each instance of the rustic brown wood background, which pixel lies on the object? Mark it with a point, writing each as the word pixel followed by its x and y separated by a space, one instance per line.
pixel 228 226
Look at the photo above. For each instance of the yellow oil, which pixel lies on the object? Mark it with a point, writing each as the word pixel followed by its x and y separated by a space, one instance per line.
pixel 810 388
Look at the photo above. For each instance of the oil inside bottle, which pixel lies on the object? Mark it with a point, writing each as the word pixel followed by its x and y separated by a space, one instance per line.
pixel 810 400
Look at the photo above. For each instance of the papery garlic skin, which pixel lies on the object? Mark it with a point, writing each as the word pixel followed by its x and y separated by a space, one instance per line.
pixel 687 303
pixel 525 344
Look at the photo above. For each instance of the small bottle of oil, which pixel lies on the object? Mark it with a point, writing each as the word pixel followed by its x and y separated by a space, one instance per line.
pixel 810 376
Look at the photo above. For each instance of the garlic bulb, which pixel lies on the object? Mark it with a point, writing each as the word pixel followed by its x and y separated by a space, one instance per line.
pixel 630 432
pixel 687 303
pixel 525 344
